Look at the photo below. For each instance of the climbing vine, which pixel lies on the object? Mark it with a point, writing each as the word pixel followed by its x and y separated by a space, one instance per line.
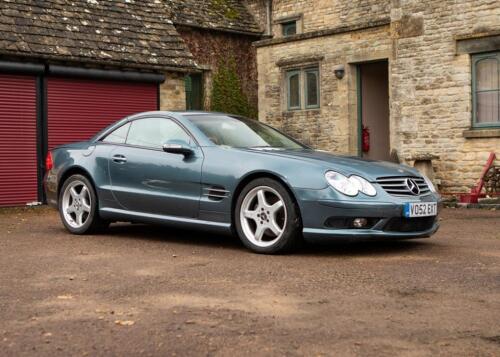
pixel 227 93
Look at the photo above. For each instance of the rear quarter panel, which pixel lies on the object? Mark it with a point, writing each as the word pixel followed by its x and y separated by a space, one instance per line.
pixel 86 158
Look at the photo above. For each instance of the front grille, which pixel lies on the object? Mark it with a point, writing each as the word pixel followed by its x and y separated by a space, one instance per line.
pixel 398 185
pixel 401 224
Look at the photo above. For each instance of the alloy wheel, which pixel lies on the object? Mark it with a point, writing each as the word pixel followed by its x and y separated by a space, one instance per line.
pixel 263 216
pixel 76 204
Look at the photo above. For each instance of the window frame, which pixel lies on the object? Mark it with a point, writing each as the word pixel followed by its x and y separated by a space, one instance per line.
pixel 314 70
pixel 303 88
pixel 287 25
pixel 149 118
pixel 475 59
pixel 289 74
pixel 101 138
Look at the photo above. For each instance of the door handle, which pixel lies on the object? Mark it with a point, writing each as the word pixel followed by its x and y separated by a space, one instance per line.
pixel 119 159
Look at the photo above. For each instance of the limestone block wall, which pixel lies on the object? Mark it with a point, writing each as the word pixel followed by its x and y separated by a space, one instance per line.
pixel 331 126
pixel 325 14
pixel 172 92
pixel 429 82
pixel 431 85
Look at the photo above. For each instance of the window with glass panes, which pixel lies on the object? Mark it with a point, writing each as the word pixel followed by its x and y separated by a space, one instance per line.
pixel 289 28
pixel 486 90
pixel 302 88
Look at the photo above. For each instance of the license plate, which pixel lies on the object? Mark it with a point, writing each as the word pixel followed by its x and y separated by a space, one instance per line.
pixel 420 209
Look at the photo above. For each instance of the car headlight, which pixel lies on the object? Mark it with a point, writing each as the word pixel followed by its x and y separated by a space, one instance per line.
pixel 350 186
pixel 430 184
pixel 363 185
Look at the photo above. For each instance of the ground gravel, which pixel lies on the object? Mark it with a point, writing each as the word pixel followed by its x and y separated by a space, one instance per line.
pixel 142 290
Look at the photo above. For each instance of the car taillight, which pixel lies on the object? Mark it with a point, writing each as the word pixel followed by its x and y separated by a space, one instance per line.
pixel 49 164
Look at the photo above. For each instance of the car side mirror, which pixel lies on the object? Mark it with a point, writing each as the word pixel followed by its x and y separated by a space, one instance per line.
pixel 178 147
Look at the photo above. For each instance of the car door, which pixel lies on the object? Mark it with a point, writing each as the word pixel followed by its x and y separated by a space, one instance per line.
pixel 146 179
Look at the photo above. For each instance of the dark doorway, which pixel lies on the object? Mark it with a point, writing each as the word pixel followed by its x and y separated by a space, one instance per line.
pixel 373 104
pixel 194 91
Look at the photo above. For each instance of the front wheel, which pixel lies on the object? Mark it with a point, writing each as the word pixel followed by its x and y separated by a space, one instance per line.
pixel 267 219
pixel 78 206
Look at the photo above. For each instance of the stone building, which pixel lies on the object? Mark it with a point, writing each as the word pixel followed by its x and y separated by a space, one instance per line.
pixel 421 76
pixel 70 68
pixel 215 32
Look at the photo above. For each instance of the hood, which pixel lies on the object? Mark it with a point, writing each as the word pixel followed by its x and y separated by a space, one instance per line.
pixel 346 165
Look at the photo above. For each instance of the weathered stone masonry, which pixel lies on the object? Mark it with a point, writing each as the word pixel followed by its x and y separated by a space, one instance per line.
pixel 429 80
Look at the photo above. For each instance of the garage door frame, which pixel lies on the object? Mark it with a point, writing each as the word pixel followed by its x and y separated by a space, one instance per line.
pixel 41 72
pixel 42 135
pixel 37 71
pixel 57 71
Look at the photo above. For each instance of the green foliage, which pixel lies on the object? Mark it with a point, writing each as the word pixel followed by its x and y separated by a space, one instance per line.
pixel 227 93
pixel 225 7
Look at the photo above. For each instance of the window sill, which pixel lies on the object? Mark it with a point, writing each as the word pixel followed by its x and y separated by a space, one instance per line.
pixel 482 133
pixel 302 111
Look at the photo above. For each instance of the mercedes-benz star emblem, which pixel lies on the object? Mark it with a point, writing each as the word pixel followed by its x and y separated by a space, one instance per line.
pixel 412 186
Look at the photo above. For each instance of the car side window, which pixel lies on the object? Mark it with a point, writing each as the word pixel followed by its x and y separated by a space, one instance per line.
pixel 154 132
pixel 117 136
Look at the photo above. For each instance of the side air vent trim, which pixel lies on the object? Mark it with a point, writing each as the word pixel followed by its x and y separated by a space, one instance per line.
pixel 215 193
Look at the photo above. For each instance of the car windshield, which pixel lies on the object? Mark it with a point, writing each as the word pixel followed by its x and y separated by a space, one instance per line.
pixel 238 132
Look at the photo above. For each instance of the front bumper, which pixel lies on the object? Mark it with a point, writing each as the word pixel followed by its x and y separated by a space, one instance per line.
pixel 326 214
pixel 315 233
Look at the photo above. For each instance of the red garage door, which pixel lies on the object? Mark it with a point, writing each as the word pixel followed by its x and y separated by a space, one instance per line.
pixel 18 145
pixel 78 108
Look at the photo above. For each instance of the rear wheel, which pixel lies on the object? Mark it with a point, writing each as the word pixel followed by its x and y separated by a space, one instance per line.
pixel 267 219
pixel 78 206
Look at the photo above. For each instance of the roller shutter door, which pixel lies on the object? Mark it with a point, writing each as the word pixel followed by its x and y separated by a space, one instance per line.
pixel 18 140
pixel 78 108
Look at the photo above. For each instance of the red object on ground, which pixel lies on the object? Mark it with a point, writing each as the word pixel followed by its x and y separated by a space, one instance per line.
pixel 18 140
pixel 475 192
pixel 80 108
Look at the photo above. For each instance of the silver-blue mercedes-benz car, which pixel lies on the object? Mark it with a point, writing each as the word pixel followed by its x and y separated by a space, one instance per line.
pixel 230 174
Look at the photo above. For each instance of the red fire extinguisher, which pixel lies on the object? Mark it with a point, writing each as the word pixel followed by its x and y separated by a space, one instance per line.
pixel 365 139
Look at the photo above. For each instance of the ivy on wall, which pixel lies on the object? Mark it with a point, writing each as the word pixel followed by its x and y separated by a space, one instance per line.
pixel 227 94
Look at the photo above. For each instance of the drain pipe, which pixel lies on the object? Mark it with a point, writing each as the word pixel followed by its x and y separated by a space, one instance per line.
pixel 269 14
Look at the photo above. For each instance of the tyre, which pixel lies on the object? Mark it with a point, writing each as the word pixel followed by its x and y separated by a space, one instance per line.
pixel 78 206
pixel 266 217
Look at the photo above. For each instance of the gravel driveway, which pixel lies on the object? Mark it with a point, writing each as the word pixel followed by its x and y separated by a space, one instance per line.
pixel 141 290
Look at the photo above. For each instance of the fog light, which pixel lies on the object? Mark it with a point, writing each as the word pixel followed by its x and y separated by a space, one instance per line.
pixel 359 222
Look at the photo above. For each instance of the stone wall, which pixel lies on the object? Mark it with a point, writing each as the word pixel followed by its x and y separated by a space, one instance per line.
pixel 330 126
pixel 258 9
pixel 209 48
pixel 172 92
pixel 430 84
pixel 325 14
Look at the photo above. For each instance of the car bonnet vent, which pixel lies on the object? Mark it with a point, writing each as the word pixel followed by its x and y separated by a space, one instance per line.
pixel 215 193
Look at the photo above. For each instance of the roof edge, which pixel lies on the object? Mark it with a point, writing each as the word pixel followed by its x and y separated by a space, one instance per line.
pixel 221 29
pixel 115 64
